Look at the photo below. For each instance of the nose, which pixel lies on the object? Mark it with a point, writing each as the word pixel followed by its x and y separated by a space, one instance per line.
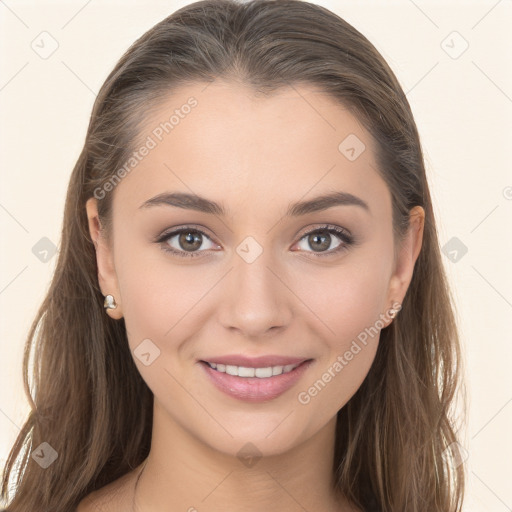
pixel 256 301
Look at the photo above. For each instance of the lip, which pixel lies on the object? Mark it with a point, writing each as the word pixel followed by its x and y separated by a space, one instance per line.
pixel 255 362
pixel 254 389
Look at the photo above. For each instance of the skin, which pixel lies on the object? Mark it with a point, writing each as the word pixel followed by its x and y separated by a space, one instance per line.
pixel 255 155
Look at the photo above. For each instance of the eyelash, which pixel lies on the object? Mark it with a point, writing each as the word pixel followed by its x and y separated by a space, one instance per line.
pixel 347 239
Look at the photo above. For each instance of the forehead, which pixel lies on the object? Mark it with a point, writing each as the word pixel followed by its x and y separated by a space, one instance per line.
pixel 224 142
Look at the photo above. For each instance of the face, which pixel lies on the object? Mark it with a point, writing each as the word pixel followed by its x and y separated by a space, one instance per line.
pixel 254 275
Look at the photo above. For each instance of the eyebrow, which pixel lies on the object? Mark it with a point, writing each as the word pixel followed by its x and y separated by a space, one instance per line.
pixel 201 204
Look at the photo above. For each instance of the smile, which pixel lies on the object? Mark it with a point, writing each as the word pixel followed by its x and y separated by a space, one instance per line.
pixel 254 384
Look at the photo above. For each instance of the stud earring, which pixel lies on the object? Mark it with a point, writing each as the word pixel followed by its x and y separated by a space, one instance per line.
pixel 110 302
pixel 393 312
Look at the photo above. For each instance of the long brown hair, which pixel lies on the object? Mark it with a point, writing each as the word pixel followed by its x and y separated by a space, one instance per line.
pixel 395 437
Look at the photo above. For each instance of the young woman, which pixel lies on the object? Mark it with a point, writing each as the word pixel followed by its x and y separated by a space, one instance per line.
pixel 249 310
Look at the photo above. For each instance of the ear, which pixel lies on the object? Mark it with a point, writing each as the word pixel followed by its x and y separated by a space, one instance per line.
pixel 107 277
pixel 406 258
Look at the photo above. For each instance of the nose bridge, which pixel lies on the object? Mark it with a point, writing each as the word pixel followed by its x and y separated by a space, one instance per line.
pixel 256 300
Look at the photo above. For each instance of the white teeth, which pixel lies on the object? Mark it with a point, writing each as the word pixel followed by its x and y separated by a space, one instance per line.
pixel 277 370
pixel 247 372
pixel 261 373
pixel 231 370
pixel 264 373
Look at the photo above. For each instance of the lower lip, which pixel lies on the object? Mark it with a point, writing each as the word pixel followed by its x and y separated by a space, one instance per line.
pixel 254 389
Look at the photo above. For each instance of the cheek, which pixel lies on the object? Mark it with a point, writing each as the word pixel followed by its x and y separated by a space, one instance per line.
pixel 347 299
pixel 156 299
pixel 164 302
pixel 159 314
pixel 355 306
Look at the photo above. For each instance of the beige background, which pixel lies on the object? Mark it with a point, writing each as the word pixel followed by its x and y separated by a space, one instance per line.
pixel 463 108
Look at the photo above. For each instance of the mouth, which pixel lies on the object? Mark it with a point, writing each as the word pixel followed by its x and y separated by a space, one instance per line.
pixel 255 384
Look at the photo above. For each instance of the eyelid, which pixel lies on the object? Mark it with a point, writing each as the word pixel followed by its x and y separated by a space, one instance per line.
pixel 325 227
pixel 167 233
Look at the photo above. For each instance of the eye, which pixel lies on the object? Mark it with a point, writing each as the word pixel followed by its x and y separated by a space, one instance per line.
pixel 184 242
pixel 187 241
pixel 321 240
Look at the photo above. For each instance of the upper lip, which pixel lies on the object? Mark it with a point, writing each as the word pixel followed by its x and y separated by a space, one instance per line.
pixel 255 362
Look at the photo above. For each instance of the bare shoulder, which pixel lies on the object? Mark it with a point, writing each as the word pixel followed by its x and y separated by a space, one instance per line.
pixel 114 497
